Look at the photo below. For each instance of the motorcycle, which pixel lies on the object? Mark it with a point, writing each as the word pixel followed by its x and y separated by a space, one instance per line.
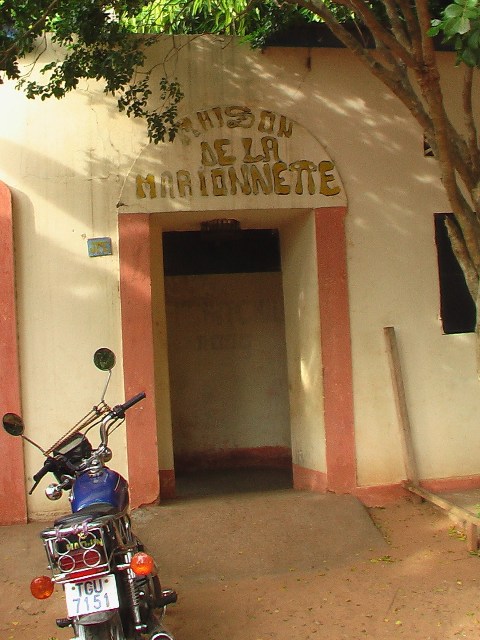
pixel 110 582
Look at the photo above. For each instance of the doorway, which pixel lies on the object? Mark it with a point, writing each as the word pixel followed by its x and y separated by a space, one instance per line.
pixel 227 359
pixel 314 269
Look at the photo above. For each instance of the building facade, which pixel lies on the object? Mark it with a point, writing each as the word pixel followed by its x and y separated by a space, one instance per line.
pixel 243 274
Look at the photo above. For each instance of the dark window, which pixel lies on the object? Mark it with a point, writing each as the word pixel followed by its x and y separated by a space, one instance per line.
pixel 457 308
pixel 199 252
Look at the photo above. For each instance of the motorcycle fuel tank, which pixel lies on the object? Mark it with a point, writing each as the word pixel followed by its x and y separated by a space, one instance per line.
pixel 106 487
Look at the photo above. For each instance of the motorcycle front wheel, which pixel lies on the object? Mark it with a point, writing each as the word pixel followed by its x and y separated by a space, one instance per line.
pixel 110 630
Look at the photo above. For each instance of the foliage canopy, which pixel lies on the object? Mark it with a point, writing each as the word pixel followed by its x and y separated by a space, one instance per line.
pixel 395 39
pixel 108 40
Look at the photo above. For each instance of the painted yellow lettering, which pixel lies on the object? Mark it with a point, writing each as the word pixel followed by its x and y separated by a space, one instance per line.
pixel 285 128
pixel 218 182
pixel 281 189
pixel 203 183
pixel 166 184
pixel 270 148
pixel 267 121
pixel 325 178
pixel 187 126
pixel 150 182
pixel 218 114
pixel 184 183
pixel 239 117
pixel 234 180
pixel 301 167
pixel 220 145
pixel 204 120
pixel 247 146
pixel 209 159
pixel 263 181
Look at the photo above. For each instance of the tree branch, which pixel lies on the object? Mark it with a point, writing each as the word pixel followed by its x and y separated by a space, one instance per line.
pixel 411 21
pixel 398 27
pixel 472 137
pixel 458 246
pixel 33 31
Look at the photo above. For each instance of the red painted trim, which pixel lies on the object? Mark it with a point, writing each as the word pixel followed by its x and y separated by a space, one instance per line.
pixel 381 495
pixel 138 356
pixel 385 494
pixel 336 348
pixel 441 485
pixel 13 502
pixel 308 479
pixel 135 284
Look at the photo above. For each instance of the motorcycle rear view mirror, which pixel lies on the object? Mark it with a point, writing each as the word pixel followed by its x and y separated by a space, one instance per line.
pixel 13 424
pixel 104 359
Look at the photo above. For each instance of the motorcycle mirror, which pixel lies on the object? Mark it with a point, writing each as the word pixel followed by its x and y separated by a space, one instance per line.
pixel 104 359
pixel 13 424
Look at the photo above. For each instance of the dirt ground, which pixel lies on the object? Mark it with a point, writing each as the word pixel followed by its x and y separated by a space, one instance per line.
pixel 281 565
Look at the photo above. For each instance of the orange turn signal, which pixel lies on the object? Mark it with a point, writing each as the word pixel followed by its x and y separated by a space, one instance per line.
pixel 142 564
pixel 42 587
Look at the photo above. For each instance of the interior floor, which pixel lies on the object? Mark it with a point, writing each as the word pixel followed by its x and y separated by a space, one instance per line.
pixel 227 481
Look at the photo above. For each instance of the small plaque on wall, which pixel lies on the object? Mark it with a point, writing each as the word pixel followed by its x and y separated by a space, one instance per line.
pixel 99 247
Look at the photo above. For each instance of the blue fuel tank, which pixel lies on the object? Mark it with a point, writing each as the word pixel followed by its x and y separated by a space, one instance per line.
pixel 108 487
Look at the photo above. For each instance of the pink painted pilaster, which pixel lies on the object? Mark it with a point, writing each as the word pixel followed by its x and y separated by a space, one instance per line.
pixel 336 349
pixel 138 358
pixel 13 503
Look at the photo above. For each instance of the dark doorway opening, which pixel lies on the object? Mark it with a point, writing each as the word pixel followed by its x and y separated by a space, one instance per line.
pixel 208 252
pixel 227 361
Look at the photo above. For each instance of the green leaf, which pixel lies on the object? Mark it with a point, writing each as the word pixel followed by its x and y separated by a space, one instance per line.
pixel 463 25
pixel 474 39
pixel 469 57
pixel 453 11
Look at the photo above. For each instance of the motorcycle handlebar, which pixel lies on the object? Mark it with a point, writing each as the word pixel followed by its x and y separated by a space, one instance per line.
pixel 117 412
pixel 48 466
pixel 120 409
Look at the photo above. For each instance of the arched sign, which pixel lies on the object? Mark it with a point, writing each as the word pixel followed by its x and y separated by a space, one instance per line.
pixel 243 159
pixel 233 157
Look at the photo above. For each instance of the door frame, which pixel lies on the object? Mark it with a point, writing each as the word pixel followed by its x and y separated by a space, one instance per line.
pixel 136 232
pixel 13 499
pixel 147 481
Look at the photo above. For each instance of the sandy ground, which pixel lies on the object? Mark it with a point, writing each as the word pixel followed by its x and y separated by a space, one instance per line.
pixel 281 565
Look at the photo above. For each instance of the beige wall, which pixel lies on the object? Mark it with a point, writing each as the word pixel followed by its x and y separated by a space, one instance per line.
pixel 57 160
pixel 302 319
pixel 228 370
pixel 70 162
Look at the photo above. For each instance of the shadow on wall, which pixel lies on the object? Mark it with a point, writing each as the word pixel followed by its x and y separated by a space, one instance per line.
pixel 61 291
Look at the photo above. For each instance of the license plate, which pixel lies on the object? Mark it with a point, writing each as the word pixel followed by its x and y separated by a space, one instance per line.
pixel 90 596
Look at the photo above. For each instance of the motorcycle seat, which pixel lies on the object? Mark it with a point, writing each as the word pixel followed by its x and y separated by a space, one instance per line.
pixel 91 512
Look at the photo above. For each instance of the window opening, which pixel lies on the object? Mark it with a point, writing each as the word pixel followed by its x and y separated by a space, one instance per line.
pixel 457 309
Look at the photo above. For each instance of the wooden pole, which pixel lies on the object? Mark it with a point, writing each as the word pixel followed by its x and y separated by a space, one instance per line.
pixel 401 405
pixel 467 518
pixel 461 515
